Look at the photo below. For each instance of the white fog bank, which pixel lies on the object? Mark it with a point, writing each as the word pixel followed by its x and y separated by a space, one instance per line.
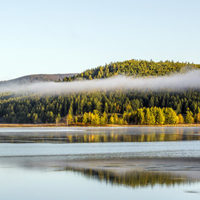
pixel 188 80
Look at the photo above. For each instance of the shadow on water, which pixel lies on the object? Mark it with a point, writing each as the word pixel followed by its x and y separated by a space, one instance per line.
pixel 152 134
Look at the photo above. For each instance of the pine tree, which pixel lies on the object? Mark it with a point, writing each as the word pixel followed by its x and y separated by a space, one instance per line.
pixel 35 118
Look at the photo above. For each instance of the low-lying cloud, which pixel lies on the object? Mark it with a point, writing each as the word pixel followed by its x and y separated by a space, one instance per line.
pixel 176 82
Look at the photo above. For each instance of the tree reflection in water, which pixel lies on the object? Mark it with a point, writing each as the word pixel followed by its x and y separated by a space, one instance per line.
pixel 128 135
pixel 134 179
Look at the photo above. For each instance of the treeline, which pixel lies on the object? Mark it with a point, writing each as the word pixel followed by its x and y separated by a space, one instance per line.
pixel 142 116
pixel 48 109
pixel 133 68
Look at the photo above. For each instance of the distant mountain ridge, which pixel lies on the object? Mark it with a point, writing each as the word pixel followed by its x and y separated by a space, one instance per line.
pixel 37 78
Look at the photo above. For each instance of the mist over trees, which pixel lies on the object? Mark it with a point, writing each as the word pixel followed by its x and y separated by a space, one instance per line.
pixel 114 107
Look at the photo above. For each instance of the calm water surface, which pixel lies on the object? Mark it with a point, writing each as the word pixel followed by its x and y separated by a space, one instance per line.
pixel 100 163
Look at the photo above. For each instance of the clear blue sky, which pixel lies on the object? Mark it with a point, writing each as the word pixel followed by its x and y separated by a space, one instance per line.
pixel 61 36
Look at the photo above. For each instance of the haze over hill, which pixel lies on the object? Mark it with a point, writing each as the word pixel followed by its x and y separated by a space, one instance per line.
pixel 137 74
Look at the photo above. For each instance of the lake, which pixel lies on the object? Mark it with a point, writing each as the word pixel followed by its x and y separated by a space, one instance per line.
pixel 100 163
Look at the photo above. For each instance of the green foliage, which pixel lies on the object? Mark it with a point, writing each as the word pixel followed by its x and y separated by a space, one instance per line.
pixel 50 117
pixel 189 119
pixel 23 109
pixel 170 116
pixel 35 118
pixel 69 119
pixel 134 68
pixel 85 118
pixel 160 118
pixel 102 121
pixel 33 108
pixel 111 120
pixel 105 117
pixel 180 119
pixel 197 118
pixel 140 116
pixel 58 119
pixel 149 118
pixel 115 118
pixel 75 119
pixel 95 119
pixel 121 121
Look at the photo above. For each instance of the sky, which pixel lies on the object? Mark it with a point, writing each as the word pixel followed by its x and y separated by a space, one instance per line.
pixel 61 36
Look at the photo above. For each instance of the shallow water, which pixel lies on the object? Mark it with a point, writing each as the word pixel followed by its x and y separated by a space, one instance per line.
pixel 104 150
pixel 100 163
pixel 96 135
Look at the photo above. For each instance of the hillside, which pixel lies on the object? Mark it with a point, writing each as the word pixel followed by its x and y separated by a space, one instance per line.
pixel 36 78
pixel 102 107
pixel 134 68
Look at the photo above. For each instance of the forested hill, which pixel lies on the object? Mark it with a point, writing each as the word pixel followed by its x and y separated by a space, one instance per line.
pixel 102 107
pixel 134 67
pixel 36 78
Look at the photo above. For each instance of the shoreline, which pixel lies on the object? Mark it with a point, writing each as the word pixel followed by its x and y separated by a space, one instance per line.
pixel 82 126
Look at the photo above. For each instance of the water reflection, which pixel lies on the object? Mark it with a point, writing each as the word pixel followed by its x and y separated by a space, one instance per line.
pixel 100 135
pixel 134 179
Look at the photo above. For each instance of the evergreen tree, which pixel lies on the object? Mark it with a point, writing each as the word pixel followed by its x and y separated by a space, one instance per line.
pixel 35 118
pixel 50 117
